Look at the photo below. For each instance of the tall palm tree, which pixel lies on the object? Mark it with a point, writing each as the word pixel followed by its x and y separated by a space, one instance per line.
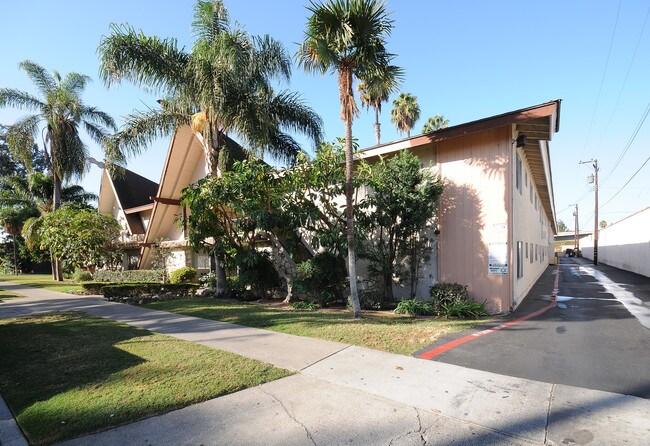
pixel 436 123
pixel 375 91
pixel 405 113
pixel 58 113
pixel 222 86
pixel 347 37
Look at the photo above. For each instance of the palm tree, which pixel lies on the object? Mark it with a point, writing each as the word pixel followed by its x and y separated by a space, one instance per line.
pixel 347 37
pixel 405 113
pixel 59 112
pixel 222 86
pixel 375 91
pixel 436 123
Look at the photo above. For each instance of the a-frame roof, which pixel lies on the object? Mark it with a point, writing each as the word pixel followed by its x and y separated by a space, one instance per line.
pixel 131 192
pixel 184 156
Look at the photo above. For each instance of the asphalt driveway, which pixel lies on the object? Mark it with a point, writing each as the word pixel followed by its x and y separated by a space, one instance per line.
pixel 589 339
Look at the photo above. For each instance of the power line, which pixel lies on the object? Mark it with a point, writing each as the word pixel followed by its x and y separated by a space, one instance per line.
pixel 602 81
pixel 629 68
pixel 629 143
pixel 628 182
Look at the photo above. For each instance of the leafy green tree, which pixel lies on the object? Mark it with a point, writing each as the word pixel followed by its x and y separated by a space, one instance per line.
pixel 561 226
pixel 376 90
pixel 223 86
pixel 436 123
pixel 602 224
pixel 396 216
pixel 81 238
pixel 405 113
pixel 347 37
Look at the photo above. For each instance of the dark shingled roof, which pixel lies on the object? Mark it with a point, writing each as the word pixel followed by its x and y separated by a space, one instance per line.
pixel 132 189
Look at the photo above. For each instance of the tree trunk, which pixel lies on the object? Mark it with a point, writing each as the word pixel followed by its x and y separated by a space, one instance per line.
pixel 377 126
pixel 211 149
pixel 56 204
pixel 220 274
pixel 388 287
pixel 349 213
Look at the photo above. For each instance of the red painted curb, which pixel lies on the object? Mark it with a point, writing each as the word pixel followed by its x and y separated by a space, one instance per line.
pixel 455 343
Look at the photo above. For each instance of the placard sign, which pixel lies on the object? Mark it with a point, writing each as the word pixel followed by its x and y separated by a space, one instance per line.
pixel 498 259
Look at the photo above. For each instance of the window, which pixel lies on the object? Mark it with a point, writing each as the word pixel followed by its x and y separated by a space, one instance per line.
pixel 531 194
pixel 518 173
pixel 520 260
pixel 526 249
pixel 526 177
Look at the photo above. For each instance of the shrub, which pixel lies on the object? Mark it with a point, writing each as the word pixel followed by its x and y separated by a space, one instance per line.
pixel 182 275
pixel 142 293
pixel 94 287
pixel 414 307
pixel 322 278
pixel 369 300
pixel 304 305
pixel 452 300
pixel 82 276
pixel 208 280
pixel 256 273
pixel 468 309
pixel 443 293
pixel 131 276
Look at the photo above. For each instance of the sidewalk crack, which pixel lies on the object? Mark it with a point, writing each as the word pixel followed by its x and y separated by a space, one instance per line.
pixel 548 413
pixel 311 438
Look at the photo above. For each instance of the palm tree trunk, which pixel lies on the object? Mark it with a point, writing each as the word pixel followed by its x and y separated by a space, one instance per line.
pixel 56 204
pixel 349 213
pixel 212 148
pixel 377 126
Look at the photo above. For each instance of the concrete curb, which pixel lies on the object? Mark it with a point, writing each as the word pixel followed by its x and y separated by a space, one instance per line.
pixel 10 433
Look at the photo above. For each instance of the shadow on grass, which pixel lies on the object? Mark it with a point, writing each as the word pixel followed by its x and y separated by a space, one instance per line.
pixel 47 355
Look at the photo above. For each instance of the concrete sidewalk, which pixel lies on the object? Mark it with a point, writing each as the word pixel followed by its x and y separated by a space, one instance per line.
pixel 352 395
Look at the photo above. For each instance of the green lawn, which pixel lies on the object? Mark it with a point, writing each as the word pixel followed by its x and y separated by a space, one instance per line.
pixel 68 374
pixel 41 281
pixel 378 330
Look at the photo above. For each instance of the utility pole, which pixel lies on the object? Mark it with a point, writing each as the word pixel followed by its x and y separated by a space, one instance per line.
pixel 594 179
pixel 576 243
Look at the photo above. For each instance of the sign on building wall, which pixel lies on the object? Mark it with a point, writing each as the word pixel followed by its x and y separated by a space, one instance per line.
pixel 498 259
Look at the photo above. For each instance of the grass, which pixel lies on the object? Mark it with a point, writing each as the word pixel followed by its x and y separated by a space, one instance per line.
pixel 378 330
pixel 68 374
pixel 6 294
pixel 41 281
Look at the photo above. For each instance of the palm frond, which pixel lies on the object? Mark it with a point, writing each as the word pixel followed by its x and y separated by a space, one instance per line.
pixel 142 128
pixel 149 62
pixel 10 97
pixel 20 139
pixel 75 83
pixel 96 116
pixel 44 81
pixel 210 19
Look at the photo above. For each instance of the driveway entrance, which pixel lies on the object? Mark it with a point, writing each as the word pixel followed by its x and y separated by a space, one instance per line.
pixel 594 337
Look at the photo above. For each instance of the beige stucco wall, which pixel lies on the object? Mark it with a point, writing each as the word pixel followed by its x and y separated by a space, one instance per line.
pixel 531 227
pixel 474 213
pixel 624 244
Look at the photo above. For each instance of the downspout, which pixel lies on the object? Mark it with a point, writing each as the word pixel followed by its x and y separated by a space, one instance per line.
pixel 511 248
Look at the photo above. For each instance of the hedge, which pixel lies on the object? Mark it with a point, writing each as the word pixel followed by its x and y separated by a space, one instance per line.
pixel 136 275
pixel 142 293
pixel 94 287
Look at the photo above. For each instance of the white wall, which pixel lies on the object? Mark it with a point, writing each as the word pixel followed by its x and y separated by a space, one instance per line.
pixel 531 227
pixel 624 244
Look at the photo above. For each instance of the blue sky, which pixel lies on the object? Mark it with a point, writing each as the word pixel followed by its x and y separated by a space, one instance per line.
pixel 464 59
